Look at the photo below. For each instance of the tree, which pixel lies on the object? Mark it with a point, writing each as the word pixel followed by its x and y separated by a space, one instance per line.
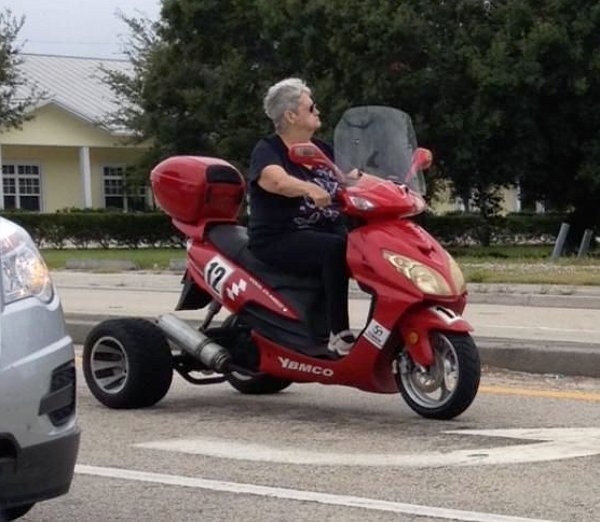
pixel 197 79
pixel 559 44
pixel 202 70
pixel 503 91
pixel 434 60
pixel 16 96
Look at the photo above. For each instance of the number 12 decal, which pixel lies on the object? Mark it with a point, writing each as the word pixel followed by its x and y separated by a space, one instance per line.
pixel 216 273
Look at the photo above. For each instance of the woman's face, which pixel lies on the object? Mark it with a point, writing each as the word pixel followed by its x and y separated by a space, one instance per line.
pixel 306 116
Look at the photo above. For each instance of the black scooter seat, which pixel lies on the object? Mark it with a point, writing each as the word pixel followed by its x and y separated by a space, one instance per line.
pixel 232 241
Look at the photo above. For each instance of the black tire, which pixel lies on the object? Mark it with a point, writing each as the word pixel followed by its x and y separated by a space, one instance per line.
pixel 454 353
pixel 15 512
pixel 127 363
pixel 261 384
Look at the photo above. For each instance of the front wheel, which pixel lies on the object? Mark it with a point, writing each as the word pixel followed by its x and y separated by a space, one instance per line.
pixel 446 388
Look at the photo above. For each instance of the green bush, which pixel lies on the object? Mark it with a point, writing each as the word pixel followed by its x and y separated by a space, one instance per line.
pixel 469 229
pixel 99 229
pixel 84 229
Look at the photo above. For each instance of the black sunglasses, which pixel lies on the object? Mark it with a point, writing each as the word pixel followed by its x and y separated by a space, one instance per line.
pixel 313 107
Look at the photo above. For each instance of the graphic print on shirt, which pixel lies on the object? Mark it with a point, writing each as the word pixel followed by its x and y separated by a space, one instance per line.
pixel 310 214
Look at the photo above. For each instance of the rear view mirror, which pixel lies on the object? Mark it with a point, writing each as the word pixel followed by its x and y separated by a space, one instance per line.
pixel 312 156
pixel 421 159
pixel 308 154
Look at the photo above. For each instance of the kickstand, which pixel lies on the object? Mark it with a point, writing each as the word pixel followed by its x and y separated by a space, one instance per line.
pixel 213 309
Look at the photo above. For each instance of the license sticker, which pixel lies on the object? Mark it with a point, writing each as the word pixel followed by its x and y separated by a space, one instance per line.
pixel 377 334
pixel 216 273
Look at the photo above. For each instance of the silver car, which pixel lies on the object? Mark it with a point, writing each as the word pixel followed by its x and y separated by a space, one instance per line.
pixel 39 437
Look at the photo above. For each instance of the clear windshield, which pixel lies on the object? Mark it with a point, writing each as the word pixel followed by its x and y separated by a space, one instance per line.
pixel 380 141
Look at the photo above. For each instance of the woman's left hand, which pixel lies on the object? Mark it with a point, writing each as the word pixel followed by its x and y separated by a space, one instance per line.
pixel 353 176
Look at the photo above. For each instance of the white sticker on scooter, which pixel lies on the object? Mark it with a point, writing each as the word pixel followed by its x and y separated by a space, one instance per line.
pixel 377 334
pixel 216 273
pixel 445 314
pixel 236 289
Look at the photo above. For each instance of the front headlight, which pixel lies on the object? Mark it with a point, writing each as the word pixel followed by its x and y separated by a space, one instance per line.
pixel 24 273
pixel 426 279
pixel 457 276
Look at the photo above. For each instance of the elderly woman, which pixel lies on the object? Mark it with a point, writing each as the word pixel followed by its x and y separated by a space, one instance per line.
pixel 292 223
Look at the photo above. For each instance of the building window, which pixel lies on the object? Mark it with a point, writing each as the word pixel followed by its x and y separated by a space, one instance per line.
pixel 118 195
pixel 22 186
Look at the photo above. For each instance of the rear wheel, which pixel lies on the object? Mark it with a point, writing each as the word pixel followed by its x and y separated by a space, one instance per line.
pixel 446 388
pixel 244 349
pixel 261 384
pixel 127 363
pixel 15 512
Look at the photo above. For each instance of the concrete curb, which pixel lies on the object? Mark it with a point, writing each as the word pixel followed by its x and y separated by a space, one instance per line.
pixel 549 296
pixel 550 357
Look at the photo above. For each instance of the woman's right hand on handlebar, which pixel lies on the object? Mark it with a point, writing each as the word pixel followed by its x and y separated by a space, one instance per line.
pixel 319 195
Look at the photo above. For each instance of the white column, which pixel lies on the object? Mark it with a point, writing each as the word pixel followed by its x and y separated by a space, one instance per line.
pixel 86 175
pixel 1 182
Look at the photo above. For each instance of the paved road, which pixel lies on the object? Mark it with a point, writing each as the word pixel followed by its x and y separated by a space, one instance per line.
pixel 512 328
pixel 324 453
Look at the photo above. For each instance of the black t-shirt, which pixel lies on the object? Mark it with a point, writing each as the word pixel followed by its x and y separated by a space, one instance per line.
pixel 272 215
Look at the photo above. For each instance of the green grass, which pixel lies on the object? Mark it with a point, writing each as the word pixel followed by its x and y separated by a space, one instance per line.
pixel 563 272
pixel 533 252
pixel 496 264
pixel 145 258
pixel 525 264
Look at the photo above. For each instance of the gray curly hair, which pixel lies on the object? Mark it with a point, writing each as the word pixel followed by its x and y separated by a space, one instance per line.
pixel 283 96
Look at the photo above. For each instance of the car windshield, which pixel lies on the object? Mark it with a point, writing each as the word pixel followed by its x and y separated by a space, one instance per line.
pixel 380 141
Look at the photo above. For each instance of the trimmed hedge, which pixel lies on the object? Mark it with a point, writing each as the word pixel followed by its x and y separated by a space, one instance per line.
pixel 99 229
pixel 83 229
pixel 468 229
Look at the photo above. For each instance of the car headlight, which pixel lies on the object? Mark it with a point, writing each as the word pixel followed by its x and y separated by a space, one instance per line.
pixel 24 273
pixel 426 279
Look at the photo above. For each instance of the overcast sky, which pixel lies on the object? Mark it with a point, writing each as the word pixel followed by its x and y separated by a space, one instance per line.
pixel 87 28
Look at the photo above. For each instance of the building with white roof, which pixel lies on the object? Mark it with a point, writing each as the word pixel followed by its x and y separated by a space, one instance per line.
pixel 66 155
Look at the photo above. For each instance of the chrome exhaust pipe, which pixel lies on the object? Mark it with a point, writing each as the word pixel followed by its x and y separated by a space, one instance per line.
pixel 195 343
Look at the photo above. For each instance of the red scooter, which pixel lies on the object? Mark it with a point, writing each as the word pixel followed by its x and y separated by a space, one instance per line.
pixel 414 340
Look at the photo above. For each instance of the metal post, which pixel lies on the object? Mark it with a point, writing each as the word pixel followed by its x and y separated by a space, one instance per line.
pixel 585 242
pixel 560 240
pixel 1 183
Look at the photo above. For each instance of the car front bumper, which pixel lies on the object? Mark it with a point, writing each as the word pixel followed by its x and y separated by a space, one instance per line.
pixel 38 472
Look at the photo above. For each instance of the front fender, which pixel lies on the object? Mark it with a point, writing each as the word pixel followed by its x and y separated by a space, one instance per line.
pixel 417 323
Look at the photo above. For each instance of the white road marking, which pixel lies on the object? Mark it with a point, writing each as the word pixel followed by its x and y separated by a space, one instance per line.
pixel 551 444
pixel 540 328
pixel 298 495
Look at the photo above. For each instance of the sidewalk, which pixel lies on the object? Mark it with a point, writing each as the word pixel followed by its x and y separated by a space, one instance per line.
pixel 91 297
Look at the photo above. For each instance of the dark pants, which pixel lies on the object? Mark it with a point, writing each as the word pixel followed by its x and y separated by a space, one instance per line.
pixel 311 252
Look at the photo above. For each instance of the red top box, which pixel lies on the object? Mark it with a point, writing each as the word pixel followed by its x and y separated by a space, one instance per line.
pixel 196 188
